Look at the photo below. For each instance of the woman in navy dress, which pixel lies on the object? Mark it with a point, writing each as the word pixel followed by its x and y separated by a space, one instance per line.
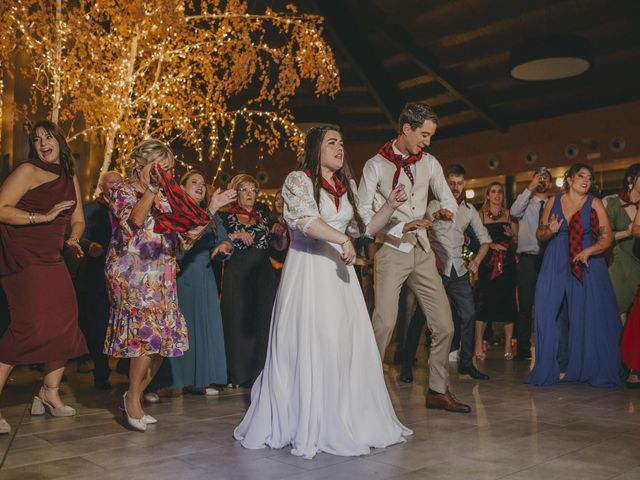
pixel 576 316
pixel 205 363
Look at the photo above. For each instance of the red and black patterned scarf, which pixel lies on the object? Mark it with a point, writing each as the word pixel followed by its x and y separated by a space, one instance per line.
pixel 336 192
pixel 253 214
pixel 497 261
pixel 401 163
pixel 576 234
pixel 185 213
pixel 625 199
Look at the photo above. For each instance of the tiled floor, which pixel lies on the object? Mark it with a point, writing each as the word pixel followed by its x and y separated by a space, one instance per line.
pixel 514 432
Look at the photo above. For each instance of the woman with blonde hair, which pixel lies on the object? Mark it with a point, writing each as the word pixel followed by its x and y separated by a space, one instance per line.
pixel 145 323
pixel 497 272
pixel 249 282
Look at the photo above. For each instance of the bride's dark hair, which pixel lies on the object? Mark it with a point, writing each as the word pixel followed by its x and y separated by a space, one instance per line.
pixel 311 161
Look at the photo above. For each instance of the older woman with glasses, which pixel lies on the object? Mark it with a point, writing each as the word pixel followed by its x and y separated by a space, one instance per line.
pixel 249 284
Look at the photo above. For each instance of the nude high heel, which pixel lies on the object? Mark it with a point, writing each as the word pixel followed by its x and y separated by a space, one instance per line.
pixel 40 405
pixel 137 424
pixel 5 428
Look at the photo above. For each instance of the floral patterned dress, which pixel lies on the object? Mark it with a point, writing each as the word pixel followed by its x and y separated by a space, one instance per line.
pixel 141 276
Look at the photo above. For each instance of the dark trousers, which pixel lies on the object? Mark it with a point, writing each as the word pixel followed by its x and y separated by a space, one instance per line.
pixel 94 311
pixel 527 275
pixel 459 291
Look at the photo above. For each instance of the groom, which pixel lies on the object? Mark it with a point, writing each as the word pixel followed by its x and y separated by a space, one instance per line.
pixel 405 254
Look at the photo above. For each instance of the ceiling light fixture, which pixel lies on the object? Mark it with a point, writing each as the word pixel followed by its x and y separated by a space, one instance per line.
pixel 550 58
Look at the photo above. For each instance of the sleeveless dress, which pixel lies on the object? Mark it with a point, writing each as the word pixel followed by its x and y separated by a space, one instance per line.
pixel 624 269
pixel 497 297
pixel 42 302
pixel 577 327
pixel 322 388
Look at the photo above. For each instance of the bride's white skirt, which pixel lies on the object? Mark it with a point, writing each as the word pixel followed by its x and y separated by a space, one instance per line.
pixel 322 387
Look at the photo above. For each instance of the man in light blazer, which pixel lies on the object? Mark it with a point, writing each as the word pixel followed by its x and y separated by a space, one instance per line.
pixel 405 253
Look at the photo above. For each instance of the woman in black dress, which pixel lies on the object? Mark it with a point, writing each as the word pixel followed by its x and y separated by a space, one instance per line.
pixel 497 272
pixel 249 283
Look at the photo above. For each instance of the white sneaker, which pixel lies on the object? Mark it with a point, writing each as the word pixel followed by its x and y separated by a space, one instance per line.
pixel 454 356
pixel 210 391
pixel 151 398
pixel 4 427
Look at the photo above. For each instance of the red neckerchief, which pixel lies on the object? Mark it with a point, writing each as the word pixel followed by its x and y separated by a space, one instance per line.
pixel 497 261
pixel 185 214
pixel 625 199
pixel 336 192
pixel 253 214
pixel 401 163
pixel 461 198
pixel 576 233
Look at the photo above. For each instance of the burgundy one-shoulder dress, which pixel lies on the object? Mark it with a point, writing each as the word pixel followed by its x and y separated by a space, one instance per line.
pixel 42 303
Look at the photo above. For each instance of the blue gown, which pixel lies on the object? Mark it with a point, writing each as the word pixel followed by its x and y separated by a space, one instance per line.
pixel 577 327
pixel 205 362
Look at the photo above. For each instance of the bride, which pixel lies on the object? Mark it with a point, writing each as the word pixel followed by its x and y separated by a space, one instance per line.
pixel 322 387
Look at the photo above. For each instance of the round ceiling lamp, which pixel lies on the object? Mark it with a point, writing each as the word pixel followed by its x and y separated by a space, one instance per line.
pixel 550 58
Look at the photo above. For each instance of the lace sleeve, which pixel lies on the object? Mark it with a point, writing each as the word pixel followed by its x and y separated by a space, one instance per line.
pixel 300 208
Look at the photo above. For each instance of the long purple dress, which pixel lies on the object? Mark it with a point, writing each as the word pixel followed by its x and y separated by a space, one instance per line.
pixel 577 324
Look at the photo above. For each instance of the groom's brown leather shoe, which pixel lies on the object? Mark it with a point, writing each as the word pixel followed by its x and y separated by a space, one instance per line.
pixel 445 401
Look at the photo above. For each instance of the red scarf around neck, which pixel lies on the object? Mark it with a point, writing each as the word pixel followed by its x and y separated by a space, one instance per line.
pixel 399 161
pixel 185 214
pixel 576 234
pixel 336 192
pixel 253 214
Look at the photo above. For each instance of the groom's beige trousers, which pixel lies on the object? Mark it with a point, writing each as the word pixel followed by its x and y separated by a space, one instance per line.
pixel 418 269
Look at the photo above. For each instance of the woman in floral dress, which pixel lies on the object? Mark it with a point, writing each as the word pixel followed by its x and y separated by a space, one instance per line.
pixel 145 323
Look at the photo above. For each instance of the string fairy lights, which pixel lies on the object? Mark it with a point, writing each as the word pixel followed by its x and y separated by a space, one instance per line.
pixel 207 74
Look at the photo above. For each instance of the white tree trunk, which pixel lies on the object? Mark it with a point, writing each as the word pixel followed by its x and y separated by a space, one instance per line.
pixel 57 67
pixel 114 127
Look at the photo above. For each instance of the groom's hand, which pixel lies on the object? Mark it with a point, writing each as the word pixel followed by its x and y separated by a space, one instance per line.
pixel 415 225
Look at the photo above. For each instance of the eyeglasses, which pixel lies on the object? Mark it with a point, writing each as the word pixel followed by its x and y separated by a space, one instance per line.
pixel 248 190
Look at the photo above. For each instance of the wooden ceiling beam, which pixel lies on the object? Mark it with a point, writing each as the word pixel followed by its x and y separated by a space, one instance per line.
pixel 429 64
pixel 342 26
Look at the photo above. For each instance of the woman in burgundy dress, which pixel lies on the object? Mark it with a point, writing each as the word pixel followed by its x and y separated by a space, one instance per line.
pixel 37 203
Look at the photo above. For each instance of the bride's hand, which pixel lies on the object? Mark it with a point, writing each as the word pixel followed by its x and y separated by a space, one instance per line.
pixel 348 254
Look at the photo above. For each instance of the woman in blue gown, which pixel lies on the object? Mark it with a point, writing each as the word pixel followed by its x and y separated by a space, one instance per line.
pixel 204 364
pixel 576 317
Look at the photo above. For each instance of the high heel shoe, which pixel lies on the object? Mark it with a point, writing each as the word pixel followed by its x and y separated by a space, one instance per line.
pixel 148 419
pixel 40 405
pixel 137 424
pixel 508 356
pixel 5 428
pixel 481 356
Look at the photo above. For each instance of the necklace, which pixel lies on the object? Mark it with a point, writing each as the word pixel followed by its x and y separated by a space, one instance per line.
pixel 493 217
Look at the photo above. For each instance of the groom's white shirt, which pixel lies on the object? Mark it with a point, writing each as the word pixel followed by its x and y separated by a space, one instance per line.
pixel 375 187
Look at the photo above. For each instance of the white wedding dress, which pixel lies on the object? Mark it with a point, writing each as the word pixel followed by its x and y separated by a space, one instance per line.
pixel 322 388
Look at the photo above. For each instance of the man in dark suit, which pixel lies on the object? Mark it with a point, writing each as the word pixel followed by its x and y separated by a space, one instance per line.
pixel 93 299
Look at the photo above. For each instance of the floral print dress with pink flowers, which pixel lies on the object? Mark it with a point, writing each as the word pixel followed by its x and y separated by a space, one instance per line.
pixel 141 276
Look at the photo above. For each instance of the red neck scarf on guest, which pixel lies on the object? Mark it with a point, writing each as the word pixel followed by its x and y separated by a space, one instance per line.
pixel 401 163
pixel 576 234
pixel 185 214
pixel 253 214
pixel 625 199
pixel 336 192
pixel 461 198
